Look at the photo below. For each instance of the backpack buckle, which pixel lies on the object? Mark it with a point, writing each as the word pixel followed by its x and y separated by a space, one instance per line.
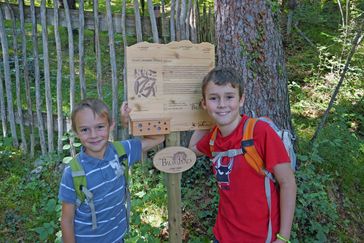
pixel 246 143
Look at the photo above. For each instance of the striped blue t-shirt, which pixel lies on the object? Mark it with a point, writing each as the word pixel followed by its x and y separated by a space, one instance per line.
pixel 108 191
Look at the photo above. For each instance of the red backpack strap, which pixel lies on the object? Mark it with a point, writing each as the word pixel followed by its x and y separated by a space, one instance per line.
pixel 250 153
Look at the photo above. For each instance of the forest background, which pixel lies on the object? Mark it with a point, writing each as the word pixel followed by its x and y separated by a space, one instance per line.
pixel 330 200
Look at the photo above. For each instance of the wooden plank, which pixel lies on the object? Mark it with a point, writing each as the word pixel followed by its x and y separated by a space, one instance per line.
pixel 29 102
pixel 38 100
pixel 57 37
pixel 47 81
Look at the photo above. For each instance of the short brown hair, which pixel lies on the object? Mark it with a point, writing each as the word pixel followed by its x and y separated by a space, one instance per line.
pixel 96 105
pixel 223 76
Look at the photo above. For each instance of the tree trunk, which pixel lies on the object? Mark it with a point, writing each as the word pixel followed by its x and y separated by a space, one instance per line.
pixel 248 40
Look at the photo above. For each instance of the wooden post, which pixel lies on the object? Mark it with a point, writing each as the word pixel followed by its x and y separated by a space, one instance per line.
pixel 57 38
pixel 7 77
pixel 81 49
pixel 47 78
pixel 26 77
pixel 114 79
pixel 138 24
pixel 98 49
pixel 174 196
pixel 17 82
pixel 153 22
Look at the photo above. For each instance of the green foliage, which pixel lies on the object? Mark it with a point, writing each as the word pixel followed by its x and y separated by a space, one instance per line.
pixel 200 200
pixel 28 209
pixel 149 200
pixel 316 214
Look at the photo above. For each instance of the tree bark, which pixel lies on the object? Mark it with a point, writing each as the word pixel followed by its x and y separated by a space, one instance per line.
pixel 249 41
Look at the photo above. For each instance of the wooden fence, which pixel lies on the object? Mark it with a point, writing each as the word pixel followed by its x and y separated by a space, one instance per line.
pixel 41 58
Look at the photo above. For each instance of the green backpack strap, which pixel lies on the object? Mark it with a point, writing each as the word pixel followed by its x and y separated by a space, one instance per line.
pixel 123 158
pixel 80 184
pixel 79 179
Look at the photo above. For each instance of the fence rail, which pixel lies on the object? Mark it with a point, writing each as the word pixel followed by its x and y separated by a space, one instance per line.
pixel 89 19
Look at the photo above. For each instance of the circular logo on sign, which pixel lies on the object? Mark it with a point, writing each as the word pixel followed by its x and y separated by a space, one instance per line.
pixel 174 159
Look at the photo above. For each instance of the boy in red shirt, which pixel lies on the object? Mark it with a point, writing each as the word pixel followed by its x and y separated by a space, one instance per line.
pixel 243 212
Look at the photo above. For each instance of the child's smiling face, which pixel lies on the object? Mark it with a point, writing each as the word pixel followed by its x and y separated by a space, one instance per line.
pixel 93 131
pixel 223 103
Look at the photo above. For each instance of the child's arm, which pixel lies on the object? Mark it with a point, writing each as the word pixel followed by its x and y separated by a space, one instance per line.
pixel 124 114
pixel 196 136
pixel 148 142
pixel 287 186
pixel 68 213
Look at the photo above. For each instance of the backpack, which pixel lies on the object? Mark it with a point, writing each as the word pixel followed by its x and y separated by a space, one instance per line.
pixel 80 182
pixel 252 156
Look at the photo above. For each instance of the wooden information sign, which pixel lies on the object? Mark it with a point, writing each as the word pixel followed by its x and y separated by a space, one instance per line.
pixel 174 159
pixel 164 84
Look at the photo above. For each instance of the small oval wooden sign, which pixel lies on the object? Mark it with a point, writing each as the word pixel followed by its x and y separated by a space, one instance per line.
pixel 174 159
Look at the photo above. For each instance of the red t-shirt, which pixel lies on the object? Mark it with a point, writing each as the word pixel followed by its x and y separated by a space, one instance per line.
pixel 243 211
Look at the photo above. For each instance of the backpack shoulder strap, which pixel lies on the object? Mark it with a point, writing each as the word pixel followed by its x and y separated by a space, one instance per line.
pixel 123 160
pixel 122 157
pixel 79 179
pixel 250 152
pixel 212 139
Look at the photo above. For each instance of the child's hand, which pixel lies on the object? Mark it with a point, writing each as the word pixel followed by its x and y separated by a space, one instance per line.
pixel 124 114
